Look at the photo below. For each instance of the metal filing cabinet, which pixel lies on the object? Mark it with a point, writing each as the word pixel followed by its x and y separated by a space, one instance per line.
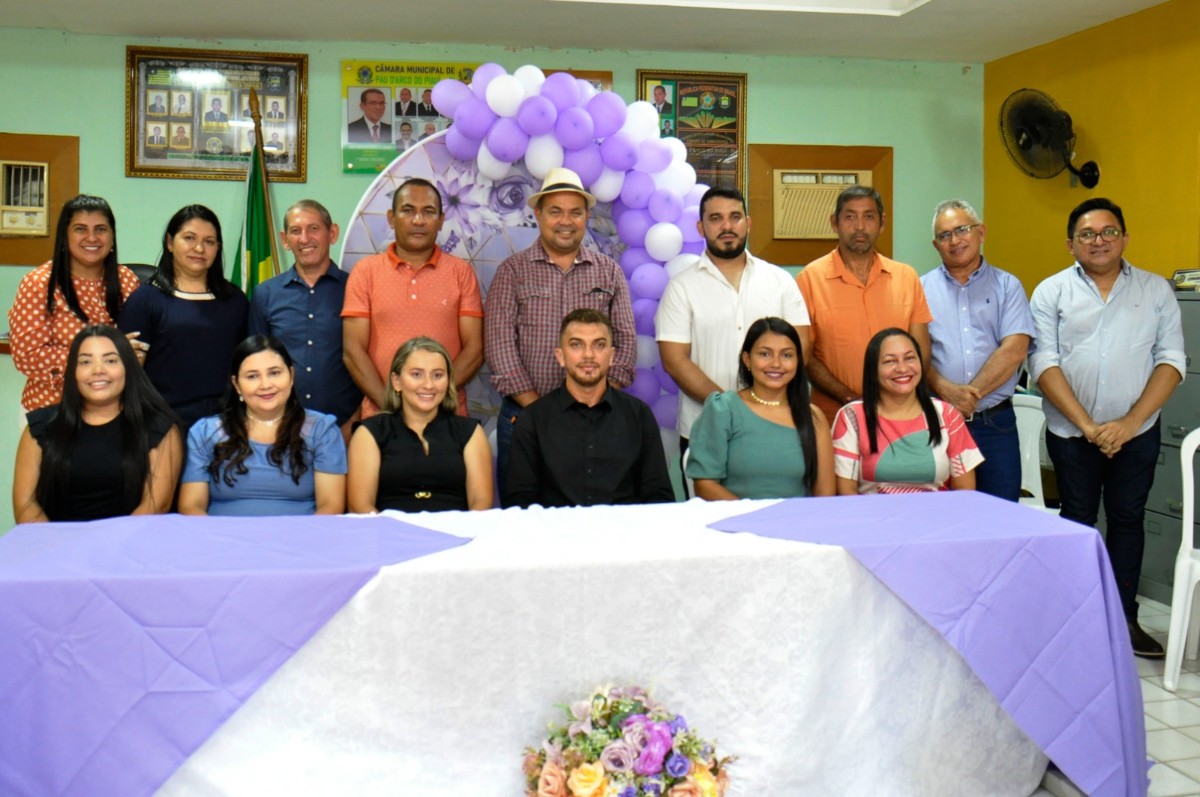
pixel 1164 508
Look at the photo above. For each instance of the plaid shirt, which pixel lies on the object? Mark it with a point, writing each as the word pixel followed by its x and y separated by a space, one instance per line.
pixel 526 303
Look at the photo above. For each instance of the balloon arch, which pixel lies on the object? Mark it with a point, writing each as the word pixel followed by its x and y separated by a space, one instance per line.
pixel 509 131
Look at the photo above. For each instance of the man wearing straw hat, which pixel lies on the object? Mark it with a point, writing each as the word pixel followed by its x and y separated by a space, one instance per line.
pixel 534 290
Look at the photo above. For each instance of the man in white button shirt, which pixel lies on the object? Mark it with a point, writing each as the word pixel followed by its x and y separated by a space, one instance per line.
pixel 705 311
pixel 1108 355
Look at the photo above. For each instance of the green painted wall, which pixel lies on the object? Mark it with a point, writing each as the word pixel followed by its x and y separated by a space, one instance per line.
pixel 66 84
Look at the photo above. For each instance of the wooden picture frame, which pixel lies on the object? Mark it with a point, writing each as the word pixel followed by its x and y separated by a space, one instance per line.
pixel 707 112
pixel 187 113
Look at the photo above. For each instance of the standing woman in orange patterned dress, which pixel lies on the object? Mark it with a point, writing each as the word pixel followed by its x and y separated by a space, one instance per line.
pixel 82 284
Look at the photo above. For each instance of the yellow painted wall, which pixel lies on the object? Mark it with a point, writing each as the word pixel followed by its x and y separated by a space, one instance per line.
pixel 1132 87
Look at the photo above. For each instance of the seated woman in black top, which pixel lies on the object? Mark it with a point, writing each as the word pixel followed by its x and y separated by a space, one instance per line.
pixel 111 447
pixel 417 455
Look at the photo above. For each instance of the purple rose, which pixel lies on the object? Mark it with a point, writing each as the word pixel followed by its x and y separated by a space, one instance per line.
pixel 650 761
pixel 678 724
pixel 509 196
pixel 628 791
pixel 618 756
pixel 678 765
pixel 635 731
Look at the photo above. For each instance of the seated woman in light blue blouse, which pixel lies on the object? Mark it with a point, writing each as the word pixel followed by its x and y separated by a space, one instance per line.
pixel 764 440
pixel 264 454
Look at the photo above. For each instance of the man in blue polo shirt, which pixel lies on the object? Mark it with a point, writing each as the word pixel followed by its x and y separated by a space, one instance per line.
pixel 980 332
pixel 303 308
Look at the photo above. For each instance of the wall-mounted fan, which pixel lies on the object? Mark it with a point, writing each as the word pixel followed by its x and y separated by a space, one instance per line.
pixel 1039 139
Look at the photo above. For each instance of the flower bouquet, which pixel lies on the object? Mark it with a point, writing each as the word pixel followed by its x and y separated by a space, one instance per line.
pixel 621 743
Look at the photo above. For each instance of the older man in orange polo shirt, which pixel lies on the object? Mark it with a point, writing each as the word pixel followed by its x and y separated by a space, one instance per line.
pixel 411 288
pixel 852 293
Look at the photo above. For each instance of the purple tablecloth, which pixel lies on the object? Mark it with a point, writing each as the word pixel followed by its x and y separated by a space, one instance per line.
pixel 1027 598
pixel 114 668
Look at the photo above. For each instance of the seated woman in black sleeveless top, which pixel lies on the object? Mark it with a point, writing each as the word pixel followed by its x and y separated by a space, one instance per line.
pixel 111 447
pixel 417 455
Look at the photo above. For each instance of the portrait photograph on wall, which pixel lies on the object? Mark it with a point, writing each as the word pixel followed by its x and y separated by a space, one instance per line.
pixel 187 113
pixel 707 112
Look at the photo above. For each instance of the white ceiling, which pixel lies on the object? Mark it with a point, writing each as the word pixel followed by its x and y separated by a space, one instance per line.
pixel 967 31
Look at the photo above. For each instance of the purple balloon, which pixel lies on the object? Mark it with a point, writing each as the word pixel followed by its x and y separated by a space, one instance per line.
pixel 653 156
pixel 664 205
pixel 507 141
pixel 537 115
pixel 643 315
pixel 619 152
pixel 461 147
pixel 574 128
pixel 474 118
pixel 616 209
pixel 664 379
pixel 692 247
pixel 448 94
pixel 687 224
pixel 632 228
pixel 585 162
pixel 649 281
pixel 607 110
pixel 634 256
pixel 560 89
pixel 666 411
pixel 637 190
pixel 483 76
pixel 645 386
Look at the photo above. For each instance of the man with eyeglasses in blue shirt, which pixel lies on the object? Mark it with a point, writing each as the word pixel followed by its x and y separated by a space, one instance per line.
pixel 1108 355
pixel 980 333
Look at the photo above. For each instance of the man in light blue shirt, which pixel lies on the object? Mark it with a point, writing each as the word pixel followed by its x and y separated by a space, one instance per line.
pixel 980 332
pixel 1108 354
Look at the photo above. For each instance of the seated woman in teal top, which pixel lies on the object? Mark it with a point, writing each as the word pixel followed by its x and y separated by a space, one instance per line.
pixel 764 440
pixel 264 454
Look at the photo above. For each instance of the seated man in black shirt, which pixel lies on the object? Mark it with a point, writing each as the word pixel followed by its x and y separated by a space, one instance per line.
pixel 585 442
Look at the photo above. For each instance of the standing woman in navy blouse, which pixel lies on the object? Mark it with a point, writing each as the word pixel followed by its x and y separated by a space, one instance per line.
pixel 417 455
pixel 190 315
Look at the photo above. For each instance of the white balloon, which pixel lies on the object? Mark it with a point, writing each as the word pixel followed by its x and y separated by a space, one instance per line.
pixel 664 241
pixel 647 355
pixel 586 91
pixel 641 121
pixel 678 178
pixel 678 148
pixel 489 166
pixel 607 186
pixel 504 95
pixel 544 153
pixel 531 78
pixel 681 263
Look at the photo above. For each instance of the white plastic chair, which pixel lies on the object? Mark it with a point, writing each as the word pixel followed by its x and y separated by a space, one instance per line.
pixel 1187 574
pixel 1031 421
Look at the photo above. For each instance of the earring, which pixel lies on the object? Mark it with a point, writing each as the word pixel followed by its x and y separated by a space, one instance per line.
pixel 241 398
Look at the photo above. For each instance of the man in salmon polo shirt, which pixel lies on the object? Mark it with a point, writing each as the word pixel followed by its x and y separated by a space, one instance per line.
pixel 852 293
pixel 411 288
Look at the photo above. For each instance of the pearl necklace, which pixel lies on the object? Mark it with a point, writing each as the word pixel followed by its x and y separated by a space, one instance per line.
pixel 264 422
pixel 764 402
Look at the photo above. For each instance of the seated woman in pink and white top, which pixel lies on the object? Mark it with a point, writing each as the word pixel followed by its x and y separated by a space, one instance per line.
pixel 898 438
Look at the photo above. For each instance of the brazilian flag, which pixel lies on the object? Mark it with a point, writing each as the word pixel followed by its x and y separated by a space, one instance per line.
pixel 256 261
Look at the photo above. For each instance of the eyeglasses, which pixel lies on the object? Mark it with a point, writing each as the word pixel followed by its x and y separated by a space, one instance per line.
pixel 958 232
pixel 1088 236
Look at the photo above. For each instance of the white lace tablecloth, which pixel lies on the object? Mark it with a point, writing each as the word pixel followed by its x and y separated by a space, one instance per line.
pixel 433 679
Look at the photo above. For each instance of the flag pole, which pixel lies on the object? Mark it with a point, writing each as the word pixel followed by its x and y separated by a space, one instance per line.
pixel 257 153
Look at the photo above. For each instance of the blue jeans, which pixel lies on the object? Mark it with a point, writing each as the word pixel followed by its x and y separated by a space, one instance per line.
pixel 1086 476
pixel 1000 472
pixel 509 412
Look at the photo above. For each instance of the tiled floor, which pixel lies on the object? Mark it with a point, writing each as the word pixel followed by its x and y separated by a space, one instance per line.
pixel 1172 721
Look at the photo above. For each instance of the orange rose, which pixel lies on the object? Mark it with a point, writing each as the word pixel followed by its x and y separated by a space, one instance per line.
pixel 588 781
pixel 552 782
pixel 686 788
pixel 705 781
pixel 722 782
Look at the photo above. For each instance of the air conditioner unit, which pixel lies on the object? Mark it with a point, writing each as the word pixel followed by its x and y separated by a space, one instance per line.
pixel 804 200
pixel 24 199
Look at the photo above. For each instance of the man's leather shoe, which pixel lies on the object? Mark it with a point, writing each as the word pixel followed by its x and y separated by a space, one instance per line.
pixel 1144 644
